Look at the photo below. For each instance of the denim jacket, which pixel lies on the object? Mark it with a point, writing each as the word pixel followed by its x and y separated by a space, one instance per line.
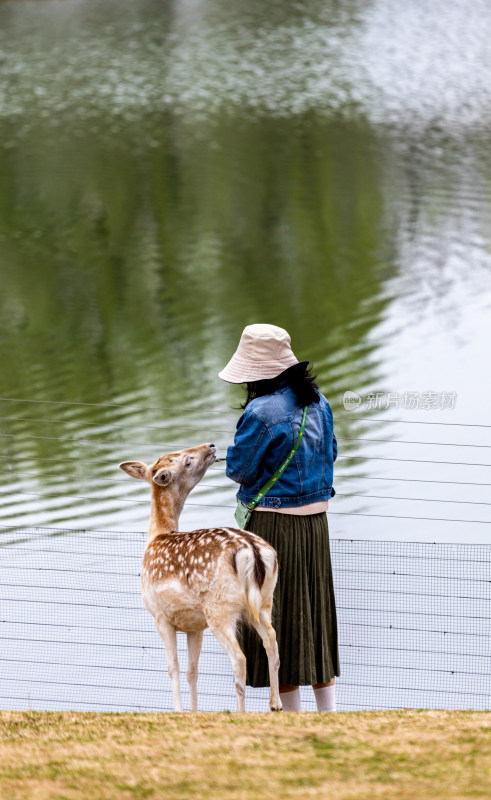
pixel 265 434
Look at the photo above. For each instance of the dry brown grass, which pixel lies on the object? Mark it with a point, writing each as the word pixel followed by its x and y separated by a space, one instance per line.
pixel 409 755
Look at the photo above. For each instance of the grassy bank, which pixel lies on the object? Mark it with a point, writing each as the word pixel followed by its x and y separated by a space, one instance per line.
pixel 410 755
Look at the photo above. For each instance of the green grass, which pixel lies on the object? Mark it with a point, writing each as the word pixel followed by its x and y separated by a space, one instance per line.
pixel 408 755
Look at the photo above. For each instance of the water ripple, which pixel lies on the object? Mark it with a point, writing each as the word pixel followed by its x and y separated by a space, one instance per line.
pixel 420 64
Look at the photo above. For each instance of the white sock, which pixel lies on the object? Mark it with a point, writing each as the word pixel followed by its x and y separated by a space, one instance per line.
pixel 291 700
pixel 326 698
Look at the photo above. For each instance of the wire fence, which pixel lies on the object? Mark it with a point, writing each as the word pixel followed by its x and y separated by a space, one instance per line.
pixel 174 409
pixel 414 627
pixel 413 617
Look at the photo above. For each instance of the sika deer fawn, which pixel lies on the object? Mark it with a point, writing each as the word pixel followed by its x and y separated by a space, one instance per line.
pixel 205 578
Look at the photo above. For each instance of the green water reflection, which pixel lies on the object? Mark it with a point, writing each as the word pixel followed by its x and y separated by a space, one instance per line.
pixel 141 228
pixel 128 275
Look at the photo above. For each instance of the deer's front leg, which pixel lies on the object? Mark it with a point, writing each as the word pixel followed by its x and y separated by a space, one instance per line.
pixel 195 639
pixel 168 635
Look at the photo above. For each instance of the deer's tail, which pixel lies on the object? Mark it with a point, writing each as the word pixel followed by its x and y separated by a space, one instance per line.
pixel 256 565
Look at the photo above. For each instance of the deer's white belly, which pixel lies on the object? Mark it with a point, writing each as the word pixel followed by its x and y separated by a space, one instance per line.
pixel 180 605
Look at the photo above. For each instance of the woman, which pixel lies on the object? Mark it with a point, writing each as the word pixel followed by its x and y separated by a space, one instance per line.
pixel 292 515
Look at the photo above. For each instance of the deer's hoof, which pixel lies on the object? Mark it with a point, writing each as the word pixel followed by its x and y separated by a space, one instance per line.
pixel 276 708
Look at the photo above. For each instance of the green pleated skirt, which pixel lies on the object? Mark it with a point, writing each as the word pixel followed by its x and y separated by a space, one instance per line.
pixel 304 609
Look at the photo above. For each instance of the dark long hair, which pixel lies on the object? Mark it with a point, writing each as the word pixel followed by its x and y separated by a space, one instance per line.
pixel 299 378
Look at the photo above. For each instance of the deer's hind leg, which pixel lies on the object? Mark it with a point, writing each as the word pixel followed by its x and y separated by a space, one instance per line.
pixel 268 636
pixel 223 627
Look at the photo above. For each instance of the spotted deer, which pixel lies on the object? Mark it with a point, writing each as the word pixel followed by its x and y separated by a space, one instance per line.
pixel 206 578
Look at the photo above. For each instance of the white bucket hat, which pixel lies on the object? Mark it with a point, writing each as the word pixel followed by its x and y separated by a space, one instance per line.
pixel 264 351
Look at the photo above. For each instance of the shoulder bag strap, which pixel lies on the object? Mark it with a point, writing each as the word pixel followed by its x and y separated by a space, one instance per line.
pixel 279 472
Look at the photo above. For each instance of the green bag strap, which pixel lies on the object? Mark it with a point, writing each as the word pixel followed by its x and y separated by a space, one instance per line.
pixel 279 472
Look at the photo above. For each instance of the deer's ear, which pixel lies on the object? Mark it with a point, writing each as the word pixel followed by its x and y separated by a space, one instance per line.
pixel 136 469
pixel 164 477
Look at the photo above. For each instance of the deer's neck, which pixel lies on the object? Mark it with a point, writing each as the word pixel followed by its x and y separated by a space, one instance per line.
pixel 165 511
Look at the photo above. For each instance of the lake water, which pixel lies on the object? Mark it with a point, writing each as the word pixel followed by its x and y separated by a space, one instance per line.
pixel 173 171
pixel 170 172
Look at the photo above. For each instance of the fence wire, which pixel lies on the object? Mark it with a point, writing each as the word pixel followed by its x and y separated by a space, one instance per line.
pixel 413 627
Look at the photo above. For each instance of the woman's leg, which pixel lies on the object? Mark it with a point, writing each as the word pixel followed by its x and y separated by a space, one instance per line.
pixel 290 698
pixel 325 696
pixel 321 685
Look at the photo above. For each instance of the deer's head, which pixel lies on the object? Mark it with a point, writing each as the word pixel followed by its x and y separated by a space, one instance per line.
pixel 180 471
